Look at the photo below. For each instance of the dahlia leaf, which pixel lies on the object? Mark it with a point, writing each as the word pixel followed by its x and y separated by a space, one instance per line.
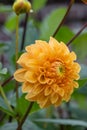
pixel 3 71
pixel 79 46
pixel 28 125
pixel 83 86
pixel 63 36
pixel 9 126
pixel 51 22
pixel 83 72
pixel 82 82
pixel 71 122
pixel 4 108
pixel 10 24
pixel 38 5
pixel 23 104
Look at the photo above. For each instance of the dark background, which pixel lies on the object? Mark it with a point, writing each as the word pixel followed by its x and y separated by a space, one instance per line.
pixel 48 2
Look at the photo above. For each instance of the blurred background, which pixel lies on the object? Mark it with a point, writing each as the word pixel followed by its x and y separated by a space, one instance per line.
pixel 76 18
pixel 41 24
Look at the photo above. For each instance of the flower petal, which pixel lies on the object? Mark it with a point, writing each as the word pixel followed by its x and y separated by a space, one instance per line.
pixel 45 103
pixel 75 84
pixel 54 97
pixel 37 89
pixel 47 91
pixel 58 102
pixel 30 77
pixel 72 56
pixel 27 87
pixel 58 90
pixel 19 75
pixel 42 79
pixel 31 97
pixel 24 58
pixel 54 47
pixel 64 48
pixel 54 44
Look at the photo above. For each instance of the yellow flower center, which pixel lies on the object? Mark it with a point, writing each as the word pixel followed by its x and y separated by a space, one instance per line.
pixel 58 68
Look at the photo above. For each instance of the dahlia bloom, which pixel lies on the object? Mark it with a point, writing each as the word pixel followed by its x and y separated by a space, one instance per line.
pixel 49 72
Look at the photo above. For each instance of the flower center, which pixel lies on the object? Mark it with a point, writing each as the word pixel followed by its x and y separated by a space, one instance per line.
pixel 58 68
pixel 51 72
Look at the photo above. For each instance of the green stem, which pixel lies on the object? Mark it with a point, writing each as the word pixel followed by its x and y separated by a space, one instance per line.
pixel 5 99
pixel 16 46
pixel 25 116
pixel 16 50
pixel 7 81
pixel 64 18
pixel 77 34
pixel 24 31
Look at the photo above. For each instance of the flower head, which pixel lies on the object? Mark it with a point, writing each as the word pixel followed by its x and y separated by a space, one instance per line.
pixel 49 72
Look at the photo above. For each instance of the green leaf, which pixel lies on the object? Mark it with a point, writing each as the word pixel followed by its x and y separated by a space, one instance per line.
pixel 80 93
pixel 38 4
pixel 79 113
pixel 32 33
pixel 71 122
pixel 31 36
pixel 10 23
pixel 5 8
pixel 83 72
pixel 82 82
pixel 64 34
pixel 3 71
pixel 23 104
pixel 80 100
pixel 9 126
pixel 35 107
pixel 28 125
pixel 51 22
pixel 12 97
pixel 79 46
pixel 4 108
pixel 83 89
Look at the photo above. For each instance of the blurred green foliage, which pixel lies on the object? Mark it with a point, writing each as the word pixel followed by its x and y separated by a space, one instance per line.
pixel 74 113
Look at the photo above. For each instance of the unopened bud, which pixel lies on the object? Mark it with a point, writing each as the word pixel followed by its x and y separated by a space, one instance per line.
pixel 21 6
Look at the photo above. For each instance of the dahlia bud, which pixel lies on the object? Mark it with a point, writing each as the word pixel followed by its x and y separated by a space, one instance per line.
pixel 85 1
pixel 21 6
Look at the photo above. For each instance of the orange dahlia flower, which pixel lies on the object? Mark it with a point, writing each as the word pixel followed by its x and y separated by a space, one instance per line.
pixel 49 72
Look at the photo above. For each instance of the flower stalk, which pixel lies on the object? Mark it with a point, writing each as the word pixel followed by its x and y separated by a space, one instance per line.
pixel 77 34
pixel 64 18
pixel 24 31
pixel 7 81
pixel 25 116
pixel 16 50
